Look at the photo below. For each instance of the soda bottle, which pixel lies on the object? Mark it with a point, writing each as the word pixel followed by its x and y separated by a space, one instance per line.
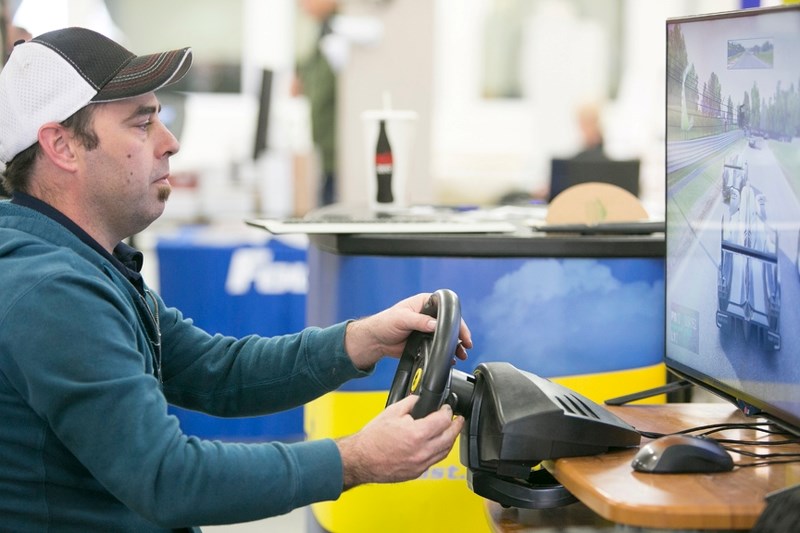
pixel 384 166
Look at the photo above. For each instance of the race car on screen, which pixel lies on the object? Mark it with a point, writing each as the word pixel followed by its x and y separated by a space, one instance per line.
pixel 734 177
pixel 748 280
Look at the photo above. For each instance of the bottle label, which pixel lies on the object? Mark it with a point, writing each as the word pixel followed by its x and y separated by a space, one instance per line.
pixel 383 163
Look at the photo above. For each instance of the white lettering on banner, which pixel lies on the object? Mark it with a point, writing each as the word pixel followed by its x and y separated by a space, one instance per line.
pixel 256 268
pixel 445 472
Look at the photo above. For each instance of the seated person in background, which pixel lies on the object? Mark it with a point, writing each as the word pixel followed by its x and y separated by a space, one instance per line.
pixel 591 129
pixel 90 356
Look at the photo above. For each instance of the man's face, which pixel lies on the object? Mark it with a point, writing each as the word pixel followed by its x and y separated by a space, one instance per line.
pixel 127 175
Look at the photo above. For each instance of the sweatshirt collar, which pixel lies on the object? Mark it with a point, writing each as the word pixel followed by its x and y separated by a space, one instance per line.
pixel 126 259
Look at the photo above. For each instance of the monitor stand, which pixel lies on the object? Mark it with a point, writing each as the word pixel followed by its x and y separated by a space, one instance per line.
pixel 641 395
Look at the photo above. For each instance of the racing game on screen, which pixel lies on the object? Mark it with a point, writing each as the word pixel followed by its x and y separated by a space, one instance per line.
pixel 733 205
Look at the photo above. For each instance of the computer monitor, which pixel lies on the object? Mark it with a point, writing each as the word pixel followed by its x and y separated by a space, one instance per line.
pixel 565 173
pixel 732 207
pixel 262 122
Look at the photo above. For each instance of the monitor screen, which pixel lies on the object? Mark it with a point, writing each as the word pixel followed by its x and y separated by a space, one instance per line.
pixel 564 173
pixel 733 208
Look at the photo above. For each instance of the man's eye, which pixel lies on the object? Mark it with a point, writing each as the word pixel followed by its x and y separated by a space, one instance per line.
pixel 146 124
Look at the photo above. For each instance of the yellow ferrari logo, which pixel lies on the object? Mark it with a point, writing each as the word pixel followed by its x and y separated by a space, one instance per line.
pixel 415 381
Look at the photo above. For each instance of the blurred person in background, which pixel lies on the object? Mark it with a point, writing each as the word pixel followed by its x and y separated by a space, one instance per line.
pixel 591 130
pixel 316 80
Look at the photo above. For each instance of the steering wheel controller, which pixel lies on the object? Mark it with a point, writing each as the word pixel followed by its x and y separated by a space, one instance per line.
pixel 514 419
pixel 425 365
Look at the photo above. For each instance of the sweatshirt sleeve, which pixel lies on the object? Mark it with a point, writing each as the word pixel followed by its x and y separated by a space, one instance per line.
pixel 226 377
pixel 84 377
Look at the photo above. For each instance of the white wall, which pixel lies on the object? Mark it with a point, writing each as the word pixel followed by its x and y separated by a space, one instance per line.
pixel 468 149
pixel 482 148
pixel 401 62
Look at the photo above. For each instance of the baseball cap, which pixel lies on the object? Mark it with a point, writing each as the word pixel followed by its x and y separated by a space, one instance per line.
pixel 50 77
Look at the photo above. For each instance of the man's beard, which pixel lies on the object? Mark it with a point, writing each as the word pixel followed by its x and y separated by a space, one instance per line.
pixel 164 192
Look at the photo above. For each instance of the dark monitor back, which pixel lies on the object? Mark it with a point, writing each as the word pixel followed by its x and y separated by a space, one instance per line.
pixel 565 173
pixel 264 107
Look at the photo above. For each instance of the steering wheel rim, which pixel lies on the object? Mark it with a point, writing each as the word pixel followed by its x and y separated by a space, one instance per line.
pixel 425 366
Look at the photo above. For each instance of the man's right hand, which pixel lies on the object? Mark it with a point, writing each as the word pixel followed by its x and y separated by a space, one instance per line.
pixel 394 447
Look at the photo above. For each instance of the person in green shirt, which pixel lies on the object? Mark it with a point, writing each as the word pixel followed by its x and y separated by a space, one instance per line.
pixel 316 79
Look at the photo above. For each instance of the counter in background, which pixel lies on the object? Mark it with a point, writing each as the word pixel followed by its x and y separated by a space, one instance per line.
pixel 236 281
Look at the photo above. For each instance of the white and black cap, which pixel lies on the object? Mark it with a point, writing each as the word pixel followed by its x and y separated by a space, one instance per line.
pixel 50 77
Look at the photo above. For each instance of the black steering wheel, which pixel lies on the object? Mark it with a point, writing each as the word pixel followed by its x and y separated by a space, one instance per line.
pixel 424 367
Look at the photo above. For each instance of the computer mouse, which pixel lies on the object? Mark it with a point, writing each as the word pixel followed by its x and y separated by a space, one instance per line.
pixel 672 454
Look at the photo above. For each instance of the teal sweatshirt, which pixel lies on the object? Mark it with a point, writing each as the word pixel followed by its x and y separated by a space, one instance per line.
pixel 86 442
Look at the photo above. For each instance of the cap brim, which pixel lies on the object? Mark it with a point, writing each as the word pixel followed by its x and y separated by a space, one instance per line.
pixel 144 74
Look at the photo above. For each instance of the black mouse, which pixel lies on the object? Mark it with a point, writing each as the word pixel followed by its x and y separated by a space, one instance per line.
pixel 674 454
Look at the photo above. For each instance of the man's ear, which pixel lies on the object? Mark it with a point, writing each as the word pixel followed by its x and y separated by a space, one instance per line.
pixel 58 143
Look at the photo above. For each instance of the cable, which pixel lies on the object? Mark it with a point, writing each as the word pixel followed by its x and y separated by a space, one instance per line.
pixel 708 429
pixel 766 463
pixel 761 459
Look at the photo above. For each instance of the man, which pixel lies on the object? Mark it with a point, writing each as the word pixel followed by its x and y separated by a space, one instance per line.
pixel 89 356
pixel 316 79
pixel 589 123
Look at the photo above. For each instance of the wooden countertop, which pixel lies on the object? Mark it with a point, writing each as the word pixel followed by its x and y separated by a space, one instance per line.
pixel 609 486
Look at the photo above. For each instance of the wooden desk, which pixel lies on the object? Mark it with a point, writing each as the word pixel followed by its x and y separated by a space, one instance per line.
pixel 608 485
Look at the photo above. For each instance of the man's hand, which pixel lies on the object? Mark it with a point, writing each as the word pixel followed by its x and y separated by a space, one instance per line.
pixel 385 333
pixel 394 447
